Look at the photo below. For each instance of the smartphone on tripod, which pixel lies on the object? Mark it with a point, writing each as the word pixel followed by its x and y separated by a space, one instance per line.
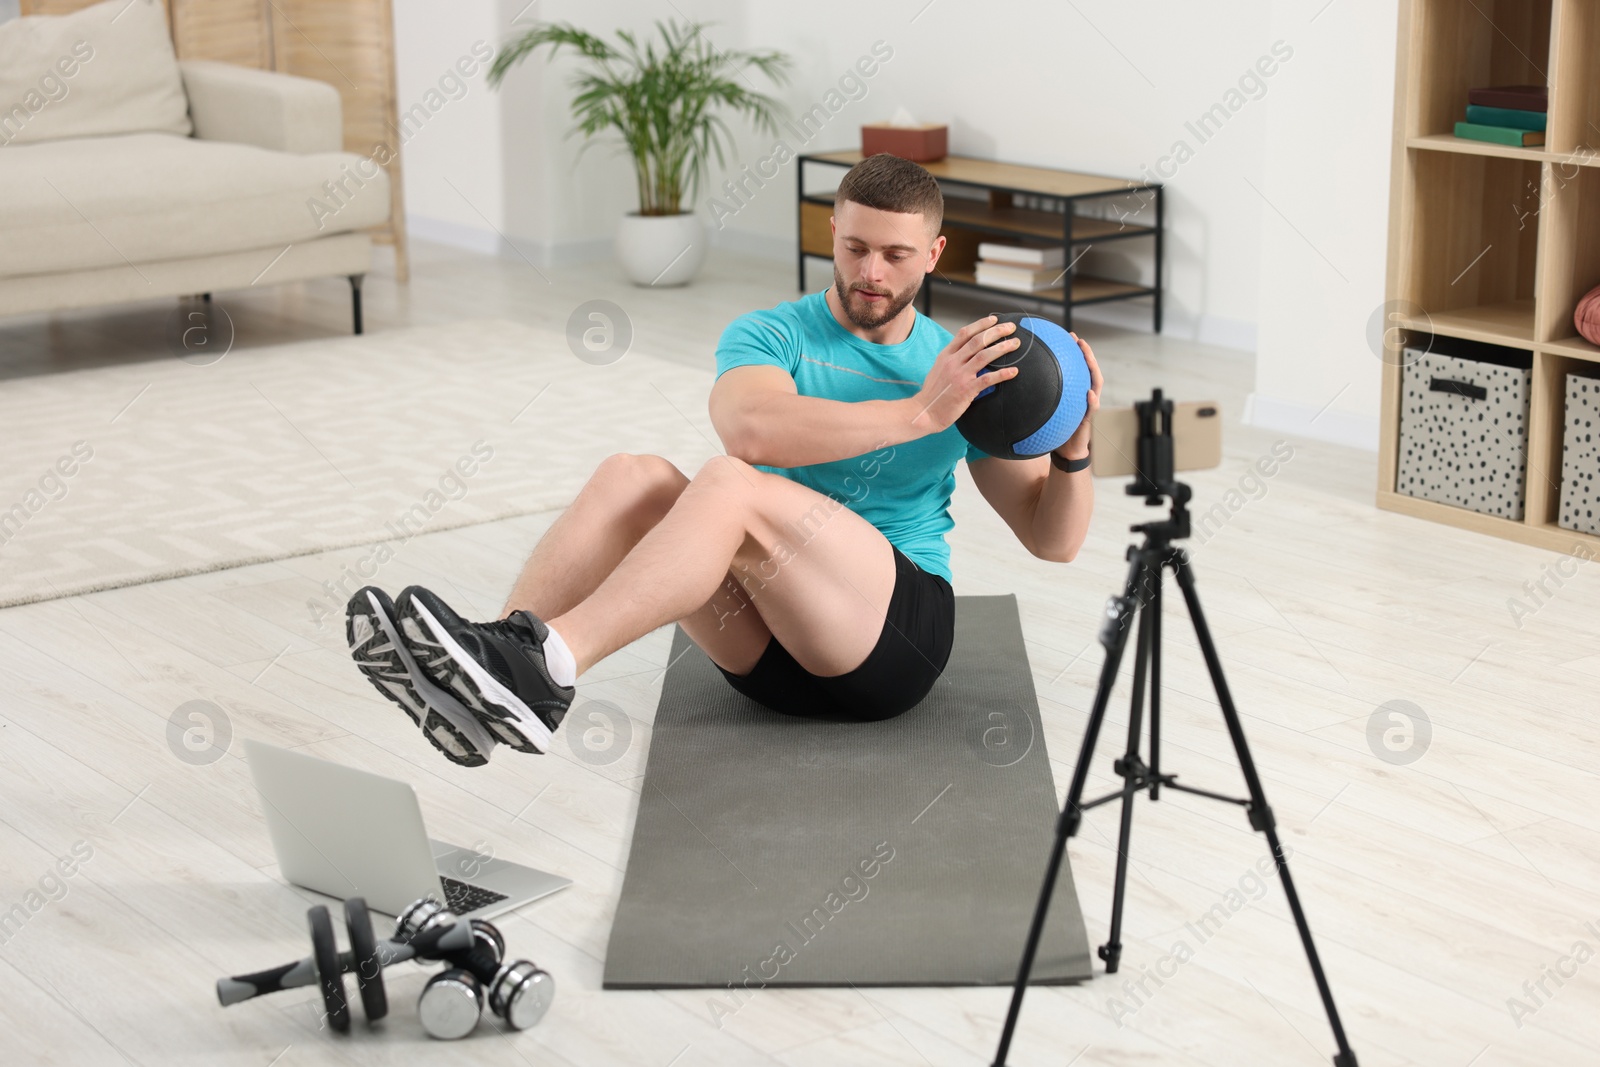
pixel 1196 438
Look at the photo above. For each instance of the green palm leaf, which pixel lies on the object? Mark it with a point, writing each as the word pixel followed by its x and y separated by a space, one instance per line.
pixel 664 106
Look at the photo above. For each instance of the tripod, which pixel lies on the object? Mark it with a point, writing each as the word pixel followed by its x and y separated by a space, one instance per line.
pixel 1141 596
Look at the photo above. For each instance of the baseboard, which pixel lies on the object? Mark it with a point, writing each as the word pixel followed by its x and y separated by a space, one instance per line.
pixel 756 245
pixel 569 253
pixel 1302 420
pixel 489 243
pixel 1133 315
pixel 1211 330
pixel 454 234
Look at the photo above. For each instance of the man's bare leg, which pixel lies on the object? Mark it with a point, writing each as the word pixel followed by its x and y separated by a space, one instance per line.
pixel 623 500
pixel 825 579
pixel 827 596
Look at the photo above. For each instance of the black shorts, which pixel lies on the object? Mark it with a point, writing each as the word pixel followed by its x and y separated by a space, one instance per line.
pixel 911 653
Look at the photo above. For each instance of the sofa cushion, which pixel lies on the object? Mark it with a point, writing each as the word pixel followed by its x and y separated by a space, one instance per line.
pixel 103 70
pixel 105 201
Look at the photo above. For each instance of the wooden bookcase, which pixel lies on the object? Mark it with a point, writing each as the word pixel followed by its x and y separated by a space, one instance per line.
pixel 1491 242
pixel 995 215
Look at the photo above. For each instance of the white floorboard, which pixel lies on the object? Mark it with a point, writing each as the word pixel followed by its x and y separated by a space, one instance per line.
pixel 1435 889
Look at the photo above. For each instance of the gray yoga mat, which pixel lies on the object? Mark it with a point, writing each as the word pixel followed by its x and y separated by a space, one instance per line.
pixel 771 850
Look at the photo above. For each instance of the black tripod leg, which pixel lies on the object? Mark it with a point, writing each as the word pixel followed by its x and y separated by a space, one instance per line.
pixel 1120 612
pixel 1130 767
pixel 1260 813
pixel 1114 638
pixel 1154 614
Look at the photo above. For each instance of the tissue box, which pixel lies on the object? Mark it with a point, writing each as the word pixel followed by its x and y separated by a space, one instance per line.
pixel 923 143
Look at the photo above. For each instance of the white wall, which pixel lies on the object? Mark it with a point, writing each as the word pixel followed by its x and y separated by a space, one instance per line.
pixel 452 161
pixel 1107 92
pixel 1275 224
pixel 499 170
pixel 1323 257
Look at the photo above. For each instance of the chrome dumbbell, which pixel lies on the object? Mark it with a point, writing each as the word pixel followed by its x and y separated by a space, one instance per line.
pixel 453 1000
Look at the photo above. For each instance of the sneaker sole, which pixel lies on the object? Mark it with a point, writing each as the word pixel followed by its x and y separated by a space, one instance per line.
pixel 516 723
pixel 388 665
pixel 436 662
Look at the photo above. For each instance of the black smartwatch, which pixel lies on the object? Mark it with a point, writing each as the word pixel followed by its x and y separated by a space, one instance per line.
pixel 1071 466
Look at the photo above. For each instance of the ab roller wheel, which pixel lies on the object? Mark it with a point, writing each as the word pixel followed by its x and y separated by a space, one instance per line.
pixel 325 958
pixel 369 972
pixel 452 1002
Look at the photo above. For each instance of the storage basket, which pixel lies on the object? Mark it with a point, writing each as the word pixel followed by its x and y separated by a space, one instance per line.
pixel 1464 426
pixel 1580 456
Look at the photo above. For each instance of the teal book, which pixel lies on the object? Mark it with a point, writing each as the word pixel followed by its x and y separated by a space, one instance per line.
pixel 1505 116
pixel 1500 135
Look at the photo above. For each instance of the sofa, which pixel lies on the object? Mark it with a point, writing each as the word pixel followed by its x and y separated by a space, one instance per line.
pixel 129 175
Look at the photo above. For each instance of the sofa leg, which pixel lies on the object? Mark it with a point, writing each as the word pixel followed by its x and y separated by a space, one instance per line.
pixel 355 299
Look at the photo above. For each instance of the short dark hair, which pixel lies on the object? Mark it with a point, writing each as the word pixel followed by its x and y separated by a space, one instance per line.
pixel 890 183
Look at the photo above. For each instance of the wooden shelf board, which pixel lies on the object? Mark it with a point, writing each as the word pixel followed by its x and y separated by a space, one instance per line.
pixel 1086 228
pixel 1562 539
pixel 1012 176
pixel 1539 534
pixel 1510 323
pixel 1025 222
pixel 1046 225
pixel 1575 347
pixel 1449 142
pixel 1085 287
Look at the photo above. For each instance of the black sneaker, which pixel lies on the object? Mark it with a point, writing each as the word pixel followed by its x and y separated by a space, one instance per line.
pixel 375 644
pixel 496 669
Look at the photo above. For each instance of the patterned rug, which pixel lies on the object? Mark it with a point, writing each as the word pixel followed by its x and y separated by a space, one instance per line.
pixel 153 470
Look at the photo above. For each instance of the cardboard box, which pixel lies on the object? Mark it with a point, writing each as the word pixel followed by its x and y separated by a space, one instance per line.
pixel 924 143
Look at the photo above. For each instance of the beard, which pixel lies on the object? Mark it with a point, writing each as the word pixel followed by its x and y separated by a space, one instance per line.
pixel 869 316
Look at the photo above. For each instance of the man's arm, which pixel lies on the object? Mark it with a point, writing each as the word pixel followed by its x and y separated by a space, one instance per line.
pixel 762 419
pixel 1047 509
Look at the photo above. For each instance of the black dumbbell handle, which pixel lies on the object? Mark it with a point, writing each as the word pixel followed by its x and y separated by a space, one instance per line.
pixel 454 938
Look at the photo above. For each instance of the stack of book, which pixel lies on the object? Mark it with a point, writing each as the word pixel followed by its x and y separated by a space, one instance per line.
pixel 1506 114
pixel 1021 268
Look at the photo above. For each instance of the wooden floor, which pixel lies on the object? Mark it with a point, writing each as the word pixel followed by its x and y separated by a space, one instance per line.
pixel 1450 872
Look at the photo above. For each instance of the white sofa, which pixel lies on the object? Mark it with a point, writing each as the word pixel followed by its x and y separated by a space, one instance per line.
pixel 127 175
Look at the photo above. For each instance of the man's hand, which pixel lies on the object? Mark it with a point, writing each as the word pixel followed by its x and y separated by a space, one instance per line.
pixel 1077 446
pixel 954 380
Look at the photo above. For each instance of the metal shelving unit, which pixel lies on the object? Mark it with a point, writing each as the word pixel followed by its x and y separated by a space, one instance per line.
pixel 968 220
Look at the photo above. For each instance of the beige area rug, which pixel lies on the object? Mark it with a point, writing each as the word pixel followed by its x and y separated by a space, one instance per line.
pixel 132 474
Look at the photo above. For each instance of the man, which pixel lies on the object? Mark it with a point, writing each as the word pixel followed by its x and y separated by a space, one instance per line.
pixel 809 563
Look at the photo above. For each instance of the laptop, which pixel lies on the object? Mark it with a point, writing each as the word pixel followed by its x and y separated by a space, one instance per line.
pixel 350 833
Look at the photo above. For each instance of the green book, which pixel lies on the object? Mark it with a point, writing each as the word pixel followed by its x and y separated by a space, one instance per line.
pixel 1505 116
pixel 1500 134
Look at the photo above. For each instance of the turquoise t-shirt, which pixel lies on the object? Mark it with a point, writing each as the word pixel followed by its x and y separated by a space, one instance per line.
pixel 904 490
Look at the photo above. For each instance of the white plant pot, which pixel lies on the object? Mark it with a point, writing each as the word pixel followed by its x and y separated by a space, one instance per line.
pixel 660 250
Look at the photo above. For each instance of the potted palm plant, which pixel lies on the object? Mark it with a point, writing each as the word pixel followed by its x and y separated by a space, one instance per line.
pixel 665 105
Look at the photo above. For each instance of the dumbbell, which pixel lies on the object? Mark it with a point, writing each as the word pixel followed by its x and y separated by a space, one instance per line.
pixel 366 958
pixel 453 1000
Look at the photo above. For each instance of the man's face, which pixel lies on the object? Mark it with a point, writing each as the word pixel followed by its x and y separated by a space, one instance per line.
pixel 879 261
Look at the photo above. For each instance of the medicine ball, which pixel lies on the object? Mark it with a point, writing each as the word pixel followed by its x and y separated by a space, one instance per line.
pixel 1036 411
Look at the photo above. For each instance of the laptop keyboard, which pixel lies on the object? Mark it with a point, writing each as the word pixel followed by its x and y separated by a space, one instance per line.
pixel 461 898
